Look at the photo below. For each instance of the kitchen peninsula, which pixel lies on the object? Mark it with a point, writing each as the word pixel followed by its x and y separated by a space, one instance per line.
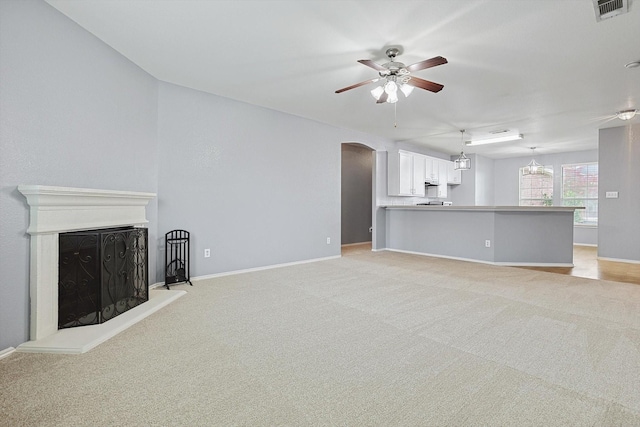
pixel 501 235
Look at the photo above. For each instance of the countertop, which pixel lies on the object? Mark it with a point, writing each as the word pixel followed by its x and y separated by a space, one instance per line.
pixel 485 208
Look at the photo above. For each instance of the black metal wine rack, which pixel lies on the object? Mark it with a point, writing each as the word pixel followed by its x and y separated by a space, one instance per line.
pixel 176 258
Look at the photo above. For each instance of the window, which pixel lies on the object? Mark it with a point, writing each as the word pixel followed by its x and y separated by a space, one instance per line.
pixel 580 188
pixel 537 190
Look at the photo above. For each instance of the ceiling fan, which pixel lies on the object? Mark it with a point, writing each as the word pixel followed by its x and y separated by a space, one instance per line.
pixel 396 76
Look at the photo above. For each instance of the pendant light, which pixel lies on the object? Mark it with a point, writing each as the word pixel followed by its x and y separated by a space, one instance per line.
pixel 533 168
pixel 462 162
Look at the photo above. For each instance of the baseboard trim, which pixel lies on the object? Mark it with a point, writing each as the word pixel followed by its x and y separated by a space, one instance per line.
pixel 6 352
pixel 591 245
pixel 250 270
pixel 534 264
pixel 267 267
pixel 501 264
pixel 627 261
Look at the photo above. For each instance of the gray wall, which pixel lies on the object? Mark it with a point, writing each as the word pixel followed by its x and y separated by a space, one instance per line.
pixel 476 188
pixel 505 183
pixel 464 194
pixel 485 189
pixel 74 113
pixel 379 239
pixel 356 193
pixel 437 232
pixel 256 186
pixel 618 219
pixel 462 234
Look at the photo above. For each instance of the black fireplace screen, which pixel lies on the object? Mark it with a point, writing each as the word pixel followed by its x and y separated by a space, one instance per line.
pixel 102 274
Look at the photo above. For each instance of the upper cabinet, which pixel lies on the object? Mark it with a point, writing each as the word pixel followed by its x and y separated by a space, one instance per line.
pixel 432 170
pixel 440 191
pixel 405 173
pixel 408 172
pixel 454 176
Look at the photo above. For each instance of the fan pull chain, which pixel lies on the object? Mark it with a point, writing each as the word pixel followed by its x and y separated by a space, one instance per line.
pixel 395 115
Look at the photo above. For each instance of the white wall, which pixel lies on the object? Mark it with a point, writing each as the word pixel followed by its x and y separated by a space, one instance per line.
pixel 73 112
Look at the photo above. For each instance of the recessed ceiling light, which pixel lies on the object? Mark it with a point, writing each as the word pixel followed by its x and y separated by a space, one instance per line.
pixel 626 114
pixel 634 64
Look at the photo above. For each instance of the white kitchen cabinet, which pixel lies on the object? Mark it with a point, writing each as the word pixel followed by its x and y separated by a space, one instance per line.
pixel 440 191
pixel 418 175
pixel 405 173
pixel 454 176
pixel 431 170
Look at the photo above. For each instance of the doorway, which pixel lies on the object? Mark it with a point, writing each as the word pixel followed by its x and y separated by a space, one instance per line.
pixel 356 194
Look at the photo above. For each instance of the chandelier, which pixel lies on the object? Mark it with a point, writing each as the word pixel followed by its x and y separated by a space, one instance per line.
pixel 462 162
pixel 533 168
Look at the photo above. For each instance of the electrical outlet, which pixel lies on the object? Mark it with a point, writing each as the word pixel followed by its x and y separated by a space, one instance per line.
pixel 207 253
pixel 487 243
pixel 328 240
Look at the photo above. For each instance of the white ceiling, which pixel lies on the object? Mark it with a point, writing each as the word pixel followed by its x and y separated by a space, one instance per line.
pixel 543 68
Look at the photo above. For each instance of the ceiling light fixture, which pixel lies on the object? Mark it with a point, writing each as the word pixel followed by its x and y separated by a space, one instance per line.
pixel 391 89
pixel 533 168
pixel 626 114
pixel 496 139
pixel 462 162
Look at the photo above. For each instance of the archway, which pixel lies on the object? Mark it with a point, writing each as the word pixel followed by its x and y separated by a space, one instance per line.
pixel 357 193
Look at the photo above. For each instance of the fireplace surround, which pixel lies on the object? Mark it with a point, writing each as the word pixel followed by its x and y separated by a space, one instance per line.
pixel 55 210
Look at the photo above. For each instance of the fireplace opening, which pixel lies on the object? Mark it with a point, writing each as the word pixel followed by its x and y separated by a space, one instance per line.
pixel 101 274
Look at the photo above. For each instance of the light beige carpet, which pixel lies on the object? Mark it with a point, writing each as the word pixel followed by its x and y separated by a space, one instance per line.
pixel 371 339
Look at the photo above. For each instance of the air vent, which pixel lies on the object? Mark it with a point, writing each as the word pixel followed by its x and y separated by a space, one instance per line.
pixel 606 9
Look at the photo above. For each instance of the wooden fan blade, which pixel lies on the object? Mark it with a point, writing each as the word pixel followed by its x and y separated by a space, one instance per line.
pixel 366 82
pixel 424 84
pixel 427 63
pixel 370 63
pixel 383 98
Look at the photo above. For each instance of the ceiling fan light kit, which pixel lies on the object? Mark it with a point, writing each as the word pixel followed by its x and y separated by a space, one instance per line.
pixel 626 114
pixel 406 89
pixel 495 140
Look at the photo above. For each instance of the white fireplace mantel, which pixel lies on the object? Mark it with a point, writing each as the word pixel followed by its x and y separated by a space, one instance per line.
pixel 62 209
pixel 55 210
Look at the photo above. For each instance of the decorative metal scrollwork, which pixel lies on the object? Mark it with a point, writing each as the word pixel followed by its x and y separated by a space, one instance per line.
pixel 102 274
